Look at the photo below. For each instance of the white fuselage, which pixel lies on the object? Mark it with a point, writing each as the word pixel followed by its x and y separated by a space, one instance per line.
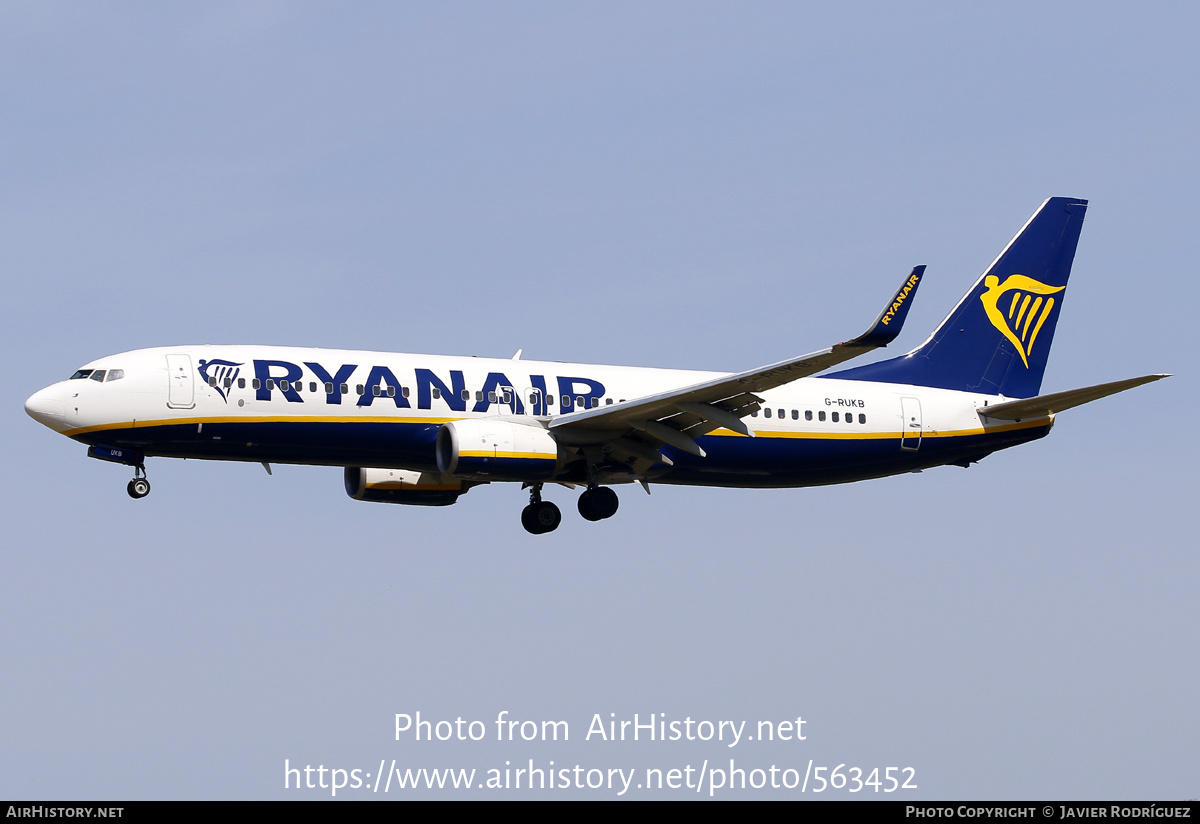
pixel 357 408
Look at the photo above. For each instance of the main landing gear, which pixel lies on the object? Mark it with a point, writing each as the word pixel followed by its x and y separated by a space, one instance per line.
pixel 139 487
pixel 541 517
pixel 598 503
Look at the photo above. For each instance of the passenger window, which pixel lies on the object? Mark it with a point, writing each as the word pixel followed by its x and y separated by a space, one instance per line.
pixel 835 417
pixel 766 413
pixel 781 413
pixel 862 418
pixel 404 391
pixel 312 386
pixel 437 393
pixel 549 400
pixel 98 376
pixel 579 402
pixel 228 382
pixel 391 391
pixel 466 394
pixel 242 383
pixel 479 396
pixel 566 400
pixel 212 379
pixel 345 389
pixel 358 388
pixel 270 384
pixel 298 386
pixel 821 416
pixel 491 397
pixel 256 383
pixel 608 401
pixel 808 414
pixel 328 388
pixel 376 391
pixel 795 414
pixel 115 374
pixel 754 414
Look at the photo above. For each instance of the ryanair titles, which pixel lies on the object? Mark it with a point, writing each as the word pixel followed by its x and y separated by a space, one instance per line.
pixel 366 385
pixel 898 301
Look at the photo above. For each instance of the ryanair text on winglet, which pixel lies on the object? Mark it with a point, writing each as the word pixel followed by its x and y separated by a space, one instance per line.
pixel 901 296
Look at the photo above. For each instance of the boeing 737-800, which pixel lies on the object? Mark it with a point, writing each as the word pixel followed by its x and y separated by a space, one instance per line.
pixel 424 429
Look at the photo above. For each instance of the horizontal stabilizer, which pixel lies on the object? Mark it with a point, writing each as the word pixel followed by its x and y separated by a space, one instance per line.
pixel 1046 405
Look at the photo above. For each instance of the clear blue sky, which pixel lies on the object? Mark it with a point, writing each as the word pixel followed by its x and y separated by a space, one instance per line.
pixel 696 185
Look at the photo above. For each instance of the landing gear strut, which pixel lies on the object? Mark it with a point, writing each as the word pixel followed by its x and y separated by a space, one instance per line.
pixel 598 503
pixel 139 487
pixel 540 516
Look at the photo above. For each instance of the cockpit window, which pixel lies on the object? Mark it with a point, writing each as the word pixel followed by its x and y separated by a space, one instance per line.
pixel 81 374
pixel 98 376
pixel 115 374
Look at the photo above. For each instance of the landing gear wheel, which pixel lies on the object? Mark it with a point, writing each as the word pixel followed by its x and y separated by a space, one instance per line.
pixel 598 504
pixel 138 488
pixel 540 518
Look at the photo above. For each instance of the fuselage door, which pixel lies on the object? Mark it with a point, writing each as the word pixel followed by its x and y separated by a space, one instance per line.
pixel 910 422
pixel 180 392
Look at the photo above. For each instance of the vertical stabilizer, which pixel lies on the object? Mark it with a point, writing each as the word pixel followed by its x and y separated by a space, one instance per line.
pixel 997 339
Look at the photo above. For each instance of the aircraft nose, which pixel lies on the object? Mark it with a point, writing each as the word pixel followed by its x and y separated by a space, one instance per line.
pixel 48 407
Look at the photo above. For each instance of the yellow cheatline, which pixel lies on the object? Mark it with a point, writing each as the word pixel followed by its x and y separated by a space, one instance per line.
pixel 253 420
pixel 861 436
pixel 491 453
pixel 721 433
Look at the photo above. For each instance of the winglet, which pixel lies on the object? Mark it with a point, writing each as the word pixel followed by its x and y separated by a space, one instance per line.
pixel 890 321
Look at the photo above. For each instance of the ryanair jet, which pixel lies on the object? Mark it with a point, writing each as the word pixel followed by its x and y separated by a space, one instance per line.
pixel 424 429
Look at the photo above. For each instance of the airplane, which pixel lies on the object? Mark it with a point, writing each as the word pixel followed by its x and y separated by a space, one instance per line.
pixel 424 429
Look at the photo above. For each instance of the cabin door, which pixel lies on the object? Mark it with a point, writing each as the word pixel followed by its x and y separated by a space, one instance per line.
pixel 910 422
pixel 180 393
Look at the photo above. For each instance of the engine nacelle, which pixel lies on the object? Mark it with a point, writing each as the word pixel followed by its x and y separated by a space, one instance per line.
pixel 402 486
pixel 494 449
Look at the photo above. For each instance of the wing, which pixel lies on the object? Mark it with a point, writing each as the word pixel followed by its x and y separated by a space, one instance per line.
pixel 636 429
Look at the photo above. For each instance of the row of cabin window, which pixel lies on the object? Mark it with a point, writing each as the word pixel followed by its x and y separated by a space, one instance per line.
pixel 377 391
pixel 808 415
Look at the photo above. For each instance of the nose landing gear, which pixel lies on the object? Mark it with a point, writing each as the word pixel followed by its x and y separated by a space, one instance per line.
pixel 139 487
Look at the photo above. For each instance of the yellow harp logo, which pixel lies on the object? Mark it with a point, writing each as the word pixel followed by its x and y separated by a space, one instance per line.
pixel 1020 318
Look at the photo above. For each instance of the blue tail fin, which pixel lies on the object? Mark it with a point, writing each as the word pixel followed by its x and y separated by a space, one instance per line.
pixel 997 340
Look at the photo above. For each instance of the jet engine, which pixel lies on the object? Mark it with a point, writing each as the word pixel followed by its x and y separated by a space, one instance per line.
pixel 403 486
pixel 492 449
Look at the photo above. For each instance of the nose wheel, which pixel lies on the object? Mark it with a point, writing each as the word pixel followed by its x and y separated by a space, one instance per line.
pixel 139 487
